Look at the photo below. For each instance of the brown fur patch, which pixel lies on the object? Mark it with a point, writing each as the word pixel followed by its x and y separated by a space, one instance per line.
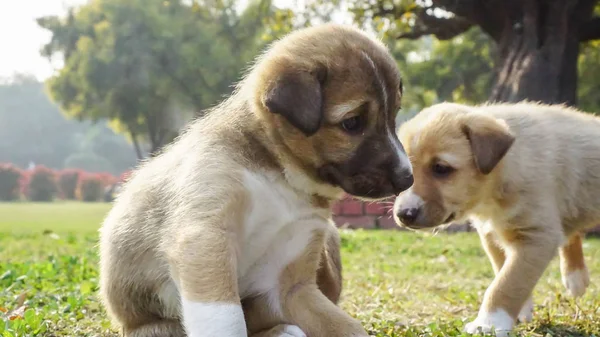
pixel 572 255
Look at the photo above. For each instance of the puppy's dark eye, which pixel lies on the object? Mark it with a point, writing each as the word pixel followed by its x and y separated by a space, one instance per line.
pixel 441 170
pixel 353 125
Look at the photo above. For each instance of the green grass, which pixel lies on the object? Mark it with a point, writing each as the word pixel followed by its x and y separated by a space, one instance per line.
pixel 396 283
pixel 56 216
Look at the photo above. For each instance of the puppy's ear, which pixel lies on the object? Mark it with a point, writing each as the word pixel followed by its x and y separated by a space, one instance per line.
pixel 490 140
pixel 298 96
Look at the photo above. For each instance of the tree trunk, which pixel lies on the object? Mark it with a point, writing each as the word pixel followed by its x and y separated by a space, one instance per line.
pixel 538 51
pixel 136 145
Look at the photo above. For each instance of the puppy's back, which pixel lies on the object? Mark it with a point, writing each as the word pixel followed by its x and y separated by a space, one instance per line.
pixel 190 177
pixel 556 152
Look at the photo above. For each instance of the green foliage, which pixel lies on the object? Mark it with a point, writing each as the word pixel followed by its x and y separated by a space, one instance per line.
pixel 9 182
pixel 459 70
pixel 589 77
pixel 41 184
pixel 146 64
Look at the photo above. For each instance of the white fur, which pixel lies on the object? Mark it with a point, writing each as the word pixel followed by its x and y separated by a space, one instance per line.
pixel 170 298
pixel 526 314
pixel 498 321
pixel 409 199
pixel 279 226
pixel 301 182
pixel 576 282
pixel 450 158
pixel 292 331
pixel 213 319
pixel 382 86
pixel 404 161
pixel 339 111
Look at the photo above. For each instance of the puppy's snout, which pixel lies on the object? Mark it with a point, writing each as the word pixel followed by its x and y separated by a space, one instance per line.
pixel 402 180
pixel 408 215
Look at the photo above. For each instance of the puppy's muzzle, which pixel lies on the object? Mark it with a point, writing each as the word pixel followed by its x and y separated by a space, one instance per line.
pixel 401 179
pixel 378 169
pixel 408 215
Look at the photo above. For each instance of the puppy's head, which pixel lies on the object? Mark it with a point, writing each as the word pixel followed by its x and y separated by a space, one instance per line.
pixel 329 96
pixel 455 151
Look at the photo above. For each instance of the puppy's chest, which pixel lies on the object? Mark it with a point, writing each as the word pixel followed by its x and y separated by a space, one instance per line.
pixel 278 226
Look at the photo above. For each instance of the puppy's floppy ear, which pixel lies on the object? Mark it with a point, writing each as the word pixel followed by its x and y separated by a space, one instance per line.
pixel 490 140
pixel 298 96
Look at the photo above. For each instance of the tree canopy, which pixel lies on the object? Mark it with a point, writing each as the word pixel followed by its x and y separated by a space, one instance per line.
pixel 150 65
pixel 534 45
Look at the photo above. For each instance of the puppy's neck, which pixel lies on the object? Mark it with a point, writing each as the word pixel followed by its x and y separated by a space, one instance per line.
pixel 302 179
pixel 497 198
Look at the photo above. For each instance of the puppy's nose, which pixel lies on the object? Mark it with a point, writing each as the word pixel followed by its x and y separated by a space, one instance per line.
pixel 402 181
pixel 408 215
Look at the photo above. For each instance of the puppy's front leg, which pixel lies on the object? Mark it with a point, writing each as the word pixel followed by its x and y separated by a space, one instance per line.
pixel 203 264
pixel 528 253
pixel 491 245
pixel 306 306
pixel 489 241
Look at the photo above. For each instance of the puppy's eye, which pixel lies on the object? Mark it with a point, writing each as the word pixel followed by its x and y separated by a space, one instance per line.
pixel 353 125
pixel 441 170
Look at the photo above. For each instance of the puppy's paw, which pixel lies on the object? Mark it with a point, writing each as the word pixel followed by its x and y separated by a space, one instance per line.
pixel 292 331
pixel 576 282
pixel 498 321
pixel 282 330
pixel 526 314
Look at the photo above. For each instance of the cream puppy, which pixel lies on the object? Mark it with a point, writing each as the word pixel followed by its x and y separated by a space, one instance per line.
pixel 228 232
pixel 528 174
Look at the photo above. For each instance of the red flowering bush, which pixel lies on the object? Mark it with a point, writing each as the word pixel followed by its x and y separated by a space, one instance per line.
pixel 107 179
pixel 10 177
pixel 40 184
pixel 124 176
pixel 67 183
pixel 90 187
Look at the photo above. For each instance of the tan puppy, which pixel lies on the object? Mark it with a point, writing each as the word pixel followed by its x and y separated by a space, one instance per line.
pixel 224 233
pixel 529 175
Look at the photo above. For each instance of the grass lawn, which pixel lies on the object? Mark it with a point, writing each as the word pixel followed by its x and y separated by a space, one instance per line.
pixel 396 283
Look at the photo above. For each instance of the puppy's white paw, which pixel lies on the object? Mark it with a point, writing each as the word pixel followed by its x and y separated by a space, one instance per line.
pixel 526 314
pixel 498 321
pixel 291 331
pixel 576 282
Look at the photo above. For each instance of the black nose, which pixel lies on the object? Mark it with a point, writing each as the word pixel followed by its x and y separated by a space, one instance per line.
pixel 408 215
pixel 402 181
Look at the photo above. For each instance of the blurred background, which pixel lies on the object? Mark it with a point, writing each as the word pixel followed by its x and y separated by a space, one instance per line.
pixel 89 88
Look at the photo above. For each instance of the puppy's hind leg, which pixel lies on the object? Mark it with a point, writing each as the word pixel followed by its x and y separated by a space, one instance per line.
pixel 575 275
pixel 162 328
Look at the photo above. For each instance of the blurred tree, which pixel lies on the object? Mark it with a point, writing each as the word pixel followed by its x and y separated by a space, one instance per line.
pixel 146 65
pixel 32 129
pixel 460 69
pixel 537 41
pixel 29 127
pixel 89 162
